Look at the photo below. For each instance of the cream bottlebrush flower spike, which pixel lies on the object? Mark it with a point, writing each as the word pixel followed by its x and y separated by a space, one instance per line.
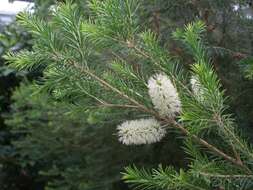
pixel 197 88
pixel 164 95
pixel 142 131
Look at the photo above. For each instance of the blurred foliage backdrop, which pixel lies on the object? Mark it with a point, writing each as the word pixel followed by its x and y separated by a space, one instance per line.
pixel 43 145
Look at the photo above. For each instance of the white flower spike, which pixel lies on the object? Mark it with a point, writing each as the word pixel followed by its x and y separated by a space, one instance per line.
pixel 197 88
pixel 142 131
pixel 164 95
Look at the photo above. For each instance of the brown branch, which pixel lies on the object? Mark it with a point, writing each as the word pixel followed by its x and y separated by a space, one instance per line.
pixel 118 105
pixel 107 85
pixel 206 144
pixel 221 124
pixel 225 176
pixel 236 154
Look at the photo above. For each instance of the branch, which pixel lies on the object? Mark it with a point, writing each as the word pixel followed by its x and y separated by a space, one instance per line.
pixel 221 124
pixel 105 84
pixel 118 105
pixel 226 176
pixel 207 145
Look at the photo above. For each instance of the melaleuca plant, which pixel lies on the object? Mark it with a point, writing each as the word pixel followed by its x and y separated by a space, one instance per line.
pixel 114 65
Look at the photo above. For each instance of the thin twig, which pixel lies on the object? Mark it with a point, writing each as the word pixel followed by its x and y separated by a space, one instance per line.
pixel 221 123
pixel 206 144
pixel 225 176
pixel 118 105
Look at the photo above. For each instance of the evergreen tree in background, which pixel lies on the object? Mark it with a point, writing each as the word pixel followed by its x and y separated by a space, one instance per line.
pixel 115 69
pixel 12 38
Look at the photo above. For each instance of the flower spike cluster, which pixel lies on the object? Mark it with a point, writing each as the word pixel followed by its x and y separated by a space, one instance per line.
pixel 166 101
pixel 142 131
pixel 164 95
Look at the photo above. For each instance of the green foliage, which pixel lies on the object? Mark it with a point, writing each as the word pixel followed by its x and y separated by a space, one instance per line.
pixel 43 7
pixel 163 178
pixel 97 66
